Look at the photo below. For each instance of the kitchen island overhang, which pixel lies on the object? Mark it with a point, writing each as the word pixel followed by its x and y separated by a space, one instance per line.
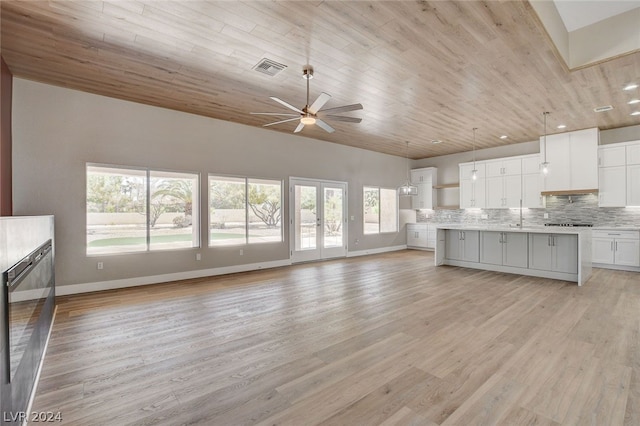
pixel 548 252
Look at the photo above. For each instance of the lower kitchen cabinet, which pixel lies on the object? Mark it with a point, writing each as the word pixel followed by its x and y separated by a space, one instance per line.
pixel 504 248
pixel 462 245
pixel 421 236
pixel 621 248
pixel 553 252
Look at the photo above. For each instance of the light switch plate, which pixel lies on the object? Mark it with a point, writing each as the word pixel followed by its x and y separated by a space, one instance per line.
pixel 546 215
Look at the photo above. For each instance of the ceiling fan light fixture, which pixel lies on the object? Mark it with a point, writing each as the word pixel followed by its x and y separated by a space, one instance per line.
pixel 308 120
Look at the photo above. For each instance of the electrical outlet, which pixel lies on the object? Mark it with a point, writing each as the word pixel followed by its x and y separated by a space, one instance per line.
pixel 353 218
pixel 484 216
pixel 241 252
pixel 546 215
pixel 198 256
pixel 100 265
pixel 357 241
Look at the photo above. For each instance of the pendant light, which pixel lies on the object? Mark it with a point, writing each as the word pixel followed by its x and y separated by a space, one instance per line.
pixel 474 172
pixel 544 167
pixel 407 188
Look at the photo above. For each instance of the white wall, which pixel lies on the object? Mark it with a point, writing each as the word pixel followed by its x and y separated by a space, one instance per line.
pixel 56 131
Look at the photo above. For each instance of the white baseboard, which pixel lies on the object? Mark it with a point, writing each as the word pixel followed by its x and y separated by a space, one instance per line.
pixel 155 279
pixel 375 251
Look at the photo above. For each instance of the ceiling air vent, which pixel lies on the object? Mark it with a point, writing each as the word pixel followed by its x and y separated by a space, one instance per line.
pixel 269 67
pixel 603 108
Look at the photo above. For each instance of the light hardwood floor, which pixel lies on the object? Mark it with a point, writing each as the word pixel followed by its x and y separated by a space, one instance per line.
pixel 387 339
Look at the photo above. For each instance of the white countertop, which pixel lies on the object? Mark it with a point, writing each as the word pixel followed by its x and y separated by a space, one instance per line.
pixel 530 229
pixel 616 228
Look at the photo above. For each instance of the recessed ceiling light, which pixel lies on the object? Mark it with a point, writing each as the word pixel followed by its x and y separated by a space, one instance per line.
pixel 562 126
pixel 436 141
pixel 630 86
pixel 634 101
pixel 504 137
pixel 635 113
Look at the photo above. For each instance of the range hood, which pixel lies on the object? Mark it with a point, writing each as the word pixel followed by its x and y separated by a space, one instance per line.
pixel 571 192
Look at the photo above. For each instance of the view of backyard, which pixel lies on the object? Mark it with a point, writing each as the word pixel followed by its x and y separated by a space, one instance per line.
pixel 121 219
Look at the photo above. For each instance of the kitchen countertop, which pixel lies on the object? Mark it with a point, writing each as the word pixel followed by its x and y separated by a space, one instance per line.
pixel 531 229
pixel 616 228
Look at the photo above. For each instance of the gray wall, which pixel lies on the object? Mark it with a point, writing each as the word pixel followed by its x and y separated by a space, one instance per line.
pixel 57 131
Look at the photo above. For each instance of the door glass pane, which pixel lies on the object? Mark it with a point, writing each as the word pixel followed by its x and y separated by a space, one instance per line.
pixel 333 219
pixel 173 218
pixel 306 217
pixel 227 211
pixel 265 208
pixel 116 210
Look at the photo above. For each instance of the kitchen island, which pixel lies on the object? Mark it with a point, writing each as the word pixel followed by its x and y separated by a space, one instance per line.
pixel 551 252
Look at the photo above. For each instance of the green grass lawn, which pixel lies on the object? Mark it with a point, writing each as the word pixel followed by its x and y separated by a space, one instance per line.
pixel 158 239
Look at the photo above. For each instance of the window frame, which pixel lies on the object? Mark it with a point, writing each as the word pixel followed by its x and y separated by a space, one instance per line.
pixel 246 179
pixel 397 210
pixel 147 176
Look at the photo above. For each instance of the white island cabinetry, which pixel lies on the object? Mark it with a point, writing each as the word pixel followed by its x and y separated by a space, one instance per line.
pixel 463 245
pixel 421 236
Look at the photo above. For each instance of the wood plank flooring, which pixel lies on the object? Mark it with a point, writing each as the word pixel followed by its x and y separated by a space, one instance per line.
pixel 386 339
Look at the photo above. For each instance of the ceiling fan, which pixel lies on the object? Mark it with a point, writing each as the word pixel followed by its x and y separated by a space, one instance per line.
pixel 312 114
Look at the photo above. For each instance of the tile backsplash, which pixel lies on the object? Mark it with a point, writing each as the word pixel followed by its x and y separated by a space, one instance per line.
pixel 561 209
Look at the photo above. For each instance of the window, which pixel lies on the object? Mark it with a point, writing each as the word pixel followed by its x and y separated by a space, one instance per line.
pixel 133 210
pixel 380 210
pixel 244 211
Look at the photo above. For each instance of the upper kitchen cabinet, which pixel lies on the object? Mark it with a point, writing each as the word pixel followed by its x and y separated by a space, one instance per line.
pixel 504 183
pixel 424 179
pixel 612 176
pixel 472 191
pixel 532 182
pixel 573 160
pixel 619 174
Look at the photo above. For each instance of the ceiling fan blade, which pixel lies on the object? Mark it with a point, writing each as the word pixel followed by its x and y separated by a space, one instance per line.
pixel 284 114
pixel 319 103
pixel 325 126
pixel 282 121
pixel 344 108
pixel 299 128
pixel 287 104
pixel 341 118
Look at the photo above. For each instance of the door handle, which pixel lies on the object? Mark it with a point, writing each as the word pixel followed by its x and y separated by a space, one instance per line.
pixel 616 246
pixel 463 235
pixel 318 221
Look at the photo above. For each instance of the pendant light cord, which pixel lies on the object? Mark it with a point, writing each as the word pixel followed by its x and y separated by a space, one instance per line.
pixel 544 115
pixel 474 147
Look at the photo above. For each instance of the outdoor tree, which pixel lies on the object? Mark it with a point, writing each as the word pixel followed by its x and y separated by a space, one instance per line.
pixel 264 201
pixel 333 211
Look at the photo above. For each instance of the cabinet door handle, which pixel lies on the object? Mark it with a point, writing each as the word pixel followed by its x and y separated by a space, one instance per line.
pixel 463 235
pixel 611 245
pixel 504 237
pixel 549 240
pixel 500 238
pixel 616 245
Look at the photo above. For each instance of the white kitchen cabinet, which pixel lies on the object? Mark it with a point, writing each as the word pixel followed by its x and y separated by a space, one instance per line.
pixel 503 167
pixel 472 192
pixel 462 245
pixel 573 160
pixel 417 235
pixel 611 156
pixel 612 186
pixel 613 247
pixel 531 164
pixel 532 182
pixel 633 153
pixel 554 252
pixel 531 189
pixel 504 248
pixel 503 191
pixel 633 185
pixel 424 179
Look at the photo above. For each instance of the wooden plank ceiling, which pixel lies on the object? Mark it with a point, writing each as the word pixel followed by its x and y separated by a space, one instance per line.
pixel 423 70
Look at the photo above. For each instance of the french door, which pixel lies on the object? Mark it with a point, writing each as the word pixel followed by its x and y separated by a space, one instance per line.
pixel 318 219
